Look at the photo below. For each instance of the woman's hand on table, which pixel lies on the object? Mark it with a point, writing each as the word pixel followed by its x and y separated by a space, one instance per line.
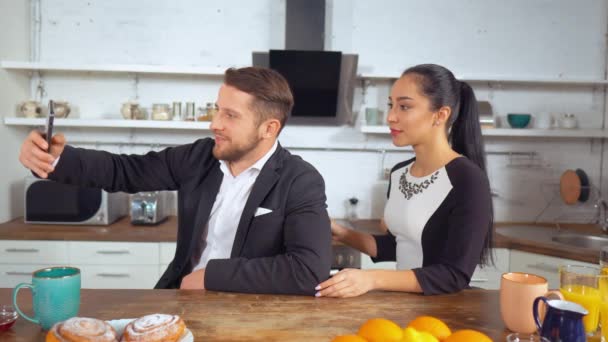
pixel 346 283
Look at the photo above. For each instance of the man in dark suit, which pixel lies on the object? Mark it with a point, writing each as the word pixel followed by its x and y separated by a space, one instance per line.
pixel 252 217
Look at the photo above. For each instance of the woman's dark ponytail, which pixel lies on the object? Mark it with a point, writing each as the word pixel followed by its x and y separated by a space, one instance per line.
pixel 465 134
pixel 440 86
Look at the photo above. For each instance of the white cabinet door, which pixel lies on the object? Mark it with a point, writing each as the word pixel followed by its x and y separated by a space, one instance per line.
pixel 118 277
pixel 34 252
pixel 113 253
pixel 161 269
pixel 489 277
pixel 13 274
pixel 116 265
pixel 167 252
pixel 542 265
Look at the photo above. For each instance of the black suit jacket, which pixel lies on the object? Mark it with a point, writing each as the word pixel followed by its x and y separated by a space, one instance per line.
pixel 287 251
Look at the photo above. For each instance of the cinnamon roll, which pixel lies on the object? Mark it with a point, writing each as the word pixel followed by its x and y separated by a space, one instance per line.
pixel 82 329
pixel 156 327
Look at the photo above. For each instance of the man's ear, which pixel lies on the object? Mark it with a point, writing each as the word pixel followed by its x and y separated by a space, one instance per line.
pixel 271 128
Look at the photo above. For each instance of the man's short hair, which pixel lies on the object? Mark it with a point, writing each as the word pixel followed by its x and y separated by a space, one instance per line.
pixel 271 92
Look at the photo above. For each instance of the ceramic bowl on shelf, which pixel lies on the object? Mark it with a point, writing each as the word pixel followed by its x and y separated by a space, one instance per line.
pixel 518 120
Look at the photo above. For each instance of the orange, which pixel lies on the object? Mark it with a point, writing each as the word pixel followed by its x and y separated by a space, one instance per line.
pixel 380 330
pixel 468 336
pixel 432 325
pixel 412 335
pixel 349 338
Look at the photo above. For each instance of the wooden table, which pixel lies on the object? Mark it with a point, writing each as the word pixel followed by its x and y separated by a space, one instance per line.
pixel 219 316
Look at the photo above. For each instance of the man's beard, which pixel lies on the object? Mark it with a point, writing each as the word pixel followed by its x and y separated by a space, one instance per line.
pixel 234 153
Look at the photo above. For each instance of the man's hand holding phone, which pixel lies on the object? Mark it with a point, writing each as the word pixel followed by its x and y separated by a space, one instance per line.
pixel 40 150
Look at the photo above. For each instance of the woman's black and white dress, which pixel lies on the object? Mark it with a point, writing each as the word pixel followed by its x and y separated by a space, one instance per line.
pixel 437 224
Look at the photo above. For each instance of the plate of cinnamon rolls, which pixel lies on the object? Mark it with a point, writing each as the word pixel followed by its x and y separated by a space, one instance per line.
pixel 149 328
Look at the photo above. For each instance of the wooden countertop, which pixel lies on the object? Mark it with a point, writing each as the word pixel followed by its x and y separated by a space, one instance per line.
pixel 217 316
pixel 528 237
pixel 537 238
pixel 121 230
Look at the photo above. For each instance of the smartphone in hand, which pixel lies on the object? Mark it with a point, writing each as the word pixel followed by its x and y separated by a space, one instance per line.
pixel 49 125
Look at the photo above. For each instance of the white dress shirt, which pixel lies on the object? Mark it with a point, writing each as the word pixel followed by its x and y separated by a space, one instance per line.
pixel 228 208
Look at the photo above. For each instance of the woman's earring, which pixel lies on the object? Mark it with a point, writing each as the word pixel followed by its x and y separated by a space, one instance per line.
pixel 436 123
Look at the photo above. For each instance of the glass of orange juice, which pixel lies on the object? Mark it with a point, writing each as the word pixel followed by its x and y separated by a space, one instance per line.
pixel 579 284
pixel 603 287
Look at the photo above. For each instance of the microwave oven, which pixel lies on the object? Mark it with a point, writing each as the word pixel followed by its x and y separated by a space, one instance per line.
pixel 49 202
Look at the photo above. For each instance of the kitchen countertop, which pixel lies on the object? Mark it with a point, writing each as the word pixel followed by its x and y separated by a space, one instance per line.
pixel 528 237
pixel 537 238
pixel 121 230
pixel 217 316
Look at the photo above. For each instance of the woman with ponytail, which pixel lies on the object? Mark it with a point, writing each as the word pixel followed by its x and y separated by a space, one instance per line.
pixel 439 212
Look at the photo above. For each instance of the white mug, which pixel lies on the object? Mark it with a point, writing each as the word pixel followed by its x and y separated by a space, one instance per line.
pixel 544 121
pixel 568 121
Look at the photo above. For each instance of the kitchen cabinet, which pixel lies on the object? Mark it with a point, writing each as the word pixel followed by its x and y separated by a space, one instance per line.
pixel 18 259
pixel 116 265
pixel 542 265
pixel 118 276
pixel 167 252
pixel 103 265
pixel 489 277
pixel 114 253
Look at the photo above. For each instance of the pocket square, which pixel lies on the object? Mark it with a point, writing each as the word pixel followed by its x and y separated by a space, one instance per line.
pixel 262 211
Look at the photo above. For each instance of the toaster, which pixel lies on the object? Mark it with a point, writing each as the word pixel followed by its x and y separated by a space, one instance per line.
pixel 149 208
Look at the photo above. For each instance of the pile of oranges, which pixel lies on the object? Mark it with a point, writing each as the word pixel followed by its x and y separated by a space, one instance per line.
pixel 421 329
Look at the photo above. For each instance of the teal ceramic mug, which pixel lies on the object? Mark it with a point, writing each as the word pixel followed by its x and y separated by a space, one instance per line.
pixel 56 295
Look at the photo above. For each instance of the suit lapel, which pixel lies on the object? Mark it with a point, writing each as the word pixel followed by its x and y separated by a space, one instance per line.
pixel 263 184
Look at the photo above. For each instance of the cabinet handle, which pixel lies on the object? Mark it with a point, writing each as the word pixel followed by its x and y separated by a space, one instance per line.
pixel 22 250
pixel 480 280
pixel 114 275
pixel 114 252
pixel 18 273
pixel 544 267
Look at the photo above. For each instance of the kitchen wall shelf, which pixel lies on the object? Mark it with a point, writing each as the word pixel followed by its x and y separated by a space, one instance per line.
pixel 114 68
pixel 219 71
pixel 384 130
pixel 109 123
pixel 582 82
pixel 512 132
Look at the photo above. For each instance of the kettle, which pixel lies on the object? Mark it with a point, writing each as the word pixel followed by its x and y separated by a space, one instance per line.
pixel 563 320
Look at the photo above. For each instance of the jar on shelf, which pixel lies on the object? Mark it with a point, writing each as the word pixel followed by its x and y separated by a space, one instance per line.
pixel 207 113
pixel 132 111
pixel 211 110
pixel 161 111
pixel 188 114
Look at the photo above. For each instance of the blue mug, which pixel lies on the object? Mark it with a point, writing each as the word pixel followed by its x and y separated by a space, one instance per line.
pixel 563 320
pixel 56 295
